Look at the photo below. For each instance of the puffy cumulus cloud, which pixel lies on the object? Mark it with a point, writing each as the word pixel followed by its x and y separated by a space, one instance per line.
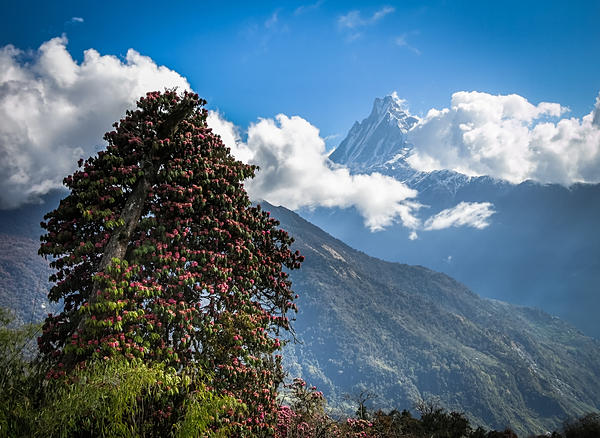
pixel 54 110
pixel 469 214
pixel 295 172
pixel 230 134
pixel 507 137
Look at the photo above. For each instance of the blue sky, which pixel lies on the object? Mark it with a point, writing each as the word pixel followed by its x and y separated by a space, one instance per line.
pixel 257 59
pixel 505 89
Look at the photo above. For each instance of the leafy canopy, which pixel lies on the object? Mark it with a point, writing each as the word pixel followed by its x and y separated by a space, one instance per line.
pixel 160 256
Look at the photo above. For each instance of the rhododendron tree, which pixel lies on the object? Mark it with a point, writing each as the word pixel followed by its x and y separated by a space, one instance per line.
pixel 160 256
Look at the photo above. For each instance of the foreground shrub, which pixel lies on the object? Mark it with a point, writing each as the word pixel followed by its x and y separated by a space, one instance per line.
pixel 130 399
pixel 15 374
pixel 305 416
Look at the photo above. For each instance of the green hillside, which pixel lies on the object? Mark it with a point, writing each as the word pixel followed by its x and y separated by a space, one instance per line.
pixel 407 333
pixel 23 279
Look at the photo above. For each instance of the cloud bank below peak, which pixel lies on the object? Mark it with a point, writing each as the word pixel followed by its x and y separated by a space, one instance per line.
pixel 295 171
pixel 54 110
pixel 509 138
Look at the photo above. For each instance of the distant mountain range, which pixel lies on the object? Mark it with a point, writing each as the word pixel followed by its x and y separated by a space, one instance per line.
pixel 541 249
pixel 407 333
pixel 23 279
pixel 402 332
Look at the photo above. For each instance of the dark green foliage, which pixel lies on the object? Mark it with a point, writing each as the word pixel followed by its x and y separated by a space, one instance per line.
pixel 506 433
pixel 301 420
pixel 480 432
pixel 396 424
pixel 436 422
pixel 113 398
pixel 130 399
pixel 587 426
pixel 17 381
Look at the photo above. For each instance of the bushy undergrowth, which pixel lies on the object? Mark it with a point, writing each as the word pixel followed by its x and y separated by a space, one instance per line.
pixel 129 398
pixel 107 398
pixel 302 414
pixel 123 399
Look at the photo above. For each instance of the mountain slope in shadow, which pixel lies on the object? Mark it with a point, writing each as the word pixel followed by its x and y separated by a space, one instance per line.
pixel 408 333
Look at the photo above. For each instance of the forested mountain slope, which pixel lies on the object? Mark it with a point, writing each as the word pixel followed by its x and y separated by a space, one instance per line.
pixel 401 332
pixel 406 333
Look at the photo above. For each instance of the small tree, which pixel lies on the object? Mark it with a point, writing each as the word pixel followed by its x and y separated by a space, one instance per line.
pixel 160 255
pixel 360 400
pixel 437 421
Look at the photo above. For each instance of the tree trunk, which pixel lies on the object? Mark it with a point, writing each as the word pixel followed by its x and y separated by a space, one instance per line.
pixel 134 206
pixel 117 245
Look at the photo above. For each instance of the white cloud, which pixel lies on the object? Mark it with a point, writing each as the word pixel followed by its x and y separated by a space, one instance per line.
pixel 381 13
pixel 295 172
pixel 401 41
pixel 272 20
pixel 230 135
pixel 54 111
pixel 507 137
pixel 308 7
pixel 469 214
pixel 353 20
pixel 76 20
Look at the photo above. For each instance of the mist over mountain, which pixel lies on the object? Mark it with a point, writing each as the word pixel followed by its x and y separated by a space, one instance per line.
pixel 407 333
pixel 541 247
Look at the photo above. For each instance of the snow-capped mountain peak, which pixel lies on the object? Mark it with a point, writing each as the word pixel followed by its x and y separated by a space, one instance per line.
pixel 391 107
pixel 380 144
pixel 377 139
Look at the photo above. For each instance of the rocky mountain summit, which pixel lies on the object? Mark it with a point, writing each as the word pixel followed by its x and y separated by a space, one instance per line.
pixel 379 139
